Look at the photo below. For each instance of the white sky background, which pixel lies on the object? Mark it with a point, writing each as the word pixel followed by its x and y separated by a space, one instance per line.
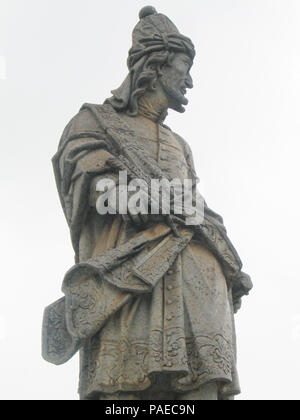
pixel 243 126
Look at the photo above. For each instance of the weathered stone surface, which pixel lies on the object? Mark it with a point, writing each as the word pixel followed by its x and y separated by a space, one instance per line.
pixel 150 301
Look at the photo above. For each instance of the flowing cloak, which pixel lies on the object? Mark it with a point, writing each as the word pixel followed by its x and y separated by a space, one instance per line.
pixel 140 304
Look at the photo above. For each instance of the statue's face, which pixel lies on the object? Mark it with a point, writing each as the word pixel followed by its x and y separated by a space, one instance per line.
pixel 175 80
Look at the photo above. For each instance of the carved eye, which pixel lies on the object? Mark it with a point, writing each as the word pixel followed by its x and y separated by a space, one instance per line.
pixel 187 63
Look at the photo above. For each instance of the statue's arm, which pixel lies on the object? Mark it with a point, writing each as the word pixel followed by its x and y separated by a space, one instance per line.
pixel 82 155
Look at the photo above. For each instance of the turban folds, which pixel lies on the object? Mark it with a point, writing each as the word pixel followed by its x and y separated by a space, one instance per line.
pixel 160 42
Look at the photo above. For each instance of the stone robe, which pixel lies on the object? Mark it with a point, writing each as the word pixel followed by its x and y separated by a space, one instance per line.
pixel 134 336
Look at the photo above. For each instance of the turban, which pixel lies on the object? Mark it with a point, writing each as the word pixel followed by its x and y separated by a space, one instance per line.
pixel 155 32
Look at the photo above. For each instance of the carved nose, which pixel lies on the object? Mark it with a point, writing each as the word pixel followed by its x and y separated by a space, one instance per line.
pixel 189 82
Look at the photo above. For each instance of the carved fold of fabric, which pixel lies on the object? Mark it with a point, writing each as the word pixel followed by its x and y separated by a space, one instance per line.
pixel 90 301
pixel 97 288
pixel 87 305
pixel 154 265
pixel 58 345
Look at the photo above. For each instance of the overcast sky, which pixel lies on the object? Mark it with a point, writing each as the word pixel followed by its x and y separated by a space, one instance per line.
pixel 243 126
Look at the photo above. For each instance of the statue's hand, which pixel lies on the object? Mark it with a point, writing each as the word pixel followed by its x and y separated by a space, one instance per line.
pixel 241 286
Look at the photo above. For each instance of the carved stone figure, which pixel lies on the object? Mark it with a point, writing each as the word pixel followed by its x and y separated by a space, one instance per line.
pixel 149 303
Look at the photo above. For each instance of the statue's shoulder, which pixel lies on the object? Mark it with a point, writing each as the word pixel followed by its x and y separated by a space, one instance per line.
pixel 84 123
pixel 86 119
pixel 96 117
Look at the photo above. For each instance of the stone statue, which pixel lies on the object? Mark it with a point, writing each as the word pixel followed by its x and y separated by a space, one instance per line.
pixel 150 300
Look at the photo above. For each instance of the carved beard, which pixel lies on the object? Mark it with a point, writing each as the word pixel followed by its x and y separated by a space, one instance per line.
pixel 173 90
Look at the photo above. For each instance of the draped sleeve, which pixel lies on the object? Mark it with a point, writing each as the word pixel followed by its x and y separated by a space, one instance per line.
pixel 82 155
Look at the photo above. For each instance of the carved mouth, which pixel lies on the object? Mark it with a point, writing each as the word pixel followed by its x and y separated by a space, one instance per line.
pixel 183 91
